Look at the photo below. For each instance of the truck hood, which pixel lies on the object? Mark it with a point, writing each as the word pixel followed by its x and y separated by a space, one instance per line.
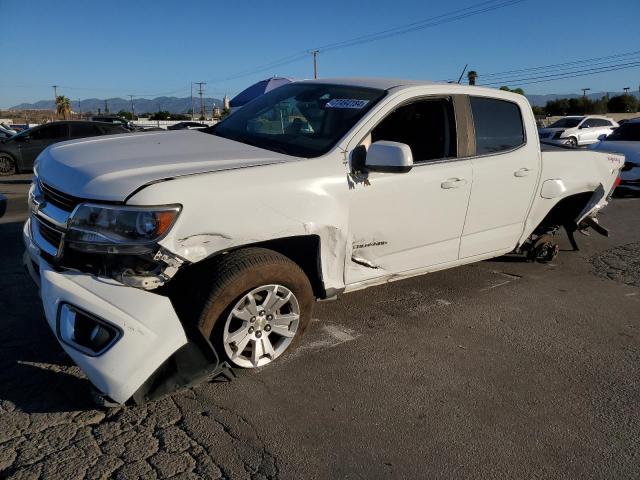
pixel 112 167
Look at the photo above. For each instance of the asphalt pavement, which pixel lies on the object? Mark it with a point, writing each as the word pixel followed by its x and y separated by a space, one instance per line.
pixel 500 369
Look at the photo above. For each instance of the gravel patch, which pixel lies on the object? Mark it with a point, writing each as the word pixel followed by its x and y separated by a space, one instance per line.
pixel 621 264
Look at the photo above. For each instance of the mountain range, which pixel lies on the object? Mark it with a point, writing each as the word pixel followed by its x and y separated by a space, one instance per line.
pixel 141 105
pixel 182 105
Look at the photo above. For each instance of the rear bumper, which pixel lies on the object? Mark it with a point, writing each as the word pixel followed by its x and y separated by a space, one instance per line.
pixel 150 330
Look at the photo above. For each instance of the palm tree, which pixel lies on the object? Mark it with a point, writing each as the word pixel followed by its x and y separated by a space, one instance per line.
pixel 63 106
pixel 472 75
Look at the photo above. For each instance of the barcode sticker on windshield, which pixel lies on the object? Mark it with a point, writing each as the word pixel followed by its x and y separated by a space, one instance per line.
pixel 346 103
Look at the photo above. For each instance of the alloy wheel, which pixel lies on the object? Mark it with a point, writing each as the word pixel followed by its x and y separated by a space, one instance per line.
pixel 261 326
pixel 6 165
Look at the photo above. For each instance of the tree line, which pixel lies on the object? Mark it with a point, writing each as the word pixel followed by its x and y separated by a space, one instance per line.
pixel 584 106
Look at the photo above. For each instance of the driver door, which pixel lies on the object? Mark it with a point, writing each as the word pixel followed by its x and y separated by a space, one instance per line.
pixel 404 222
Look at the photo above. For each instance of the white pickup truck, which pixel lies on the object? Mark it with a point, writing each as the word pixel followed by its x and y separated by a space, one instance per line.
pixel 160 255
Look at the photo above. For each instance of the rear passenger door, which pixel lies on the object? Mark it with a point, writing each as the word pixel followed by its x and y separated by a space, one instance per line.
pixel 506 167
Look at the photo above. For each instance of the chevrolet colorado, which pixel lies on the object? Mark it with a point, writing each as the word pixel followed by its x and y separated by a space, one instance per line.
pixel 160 253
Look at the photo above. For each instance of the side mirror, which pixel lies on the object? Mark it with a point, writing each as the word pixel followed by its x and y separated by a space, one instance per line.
pixel 386 156
pixel 602 137
pixel 585 125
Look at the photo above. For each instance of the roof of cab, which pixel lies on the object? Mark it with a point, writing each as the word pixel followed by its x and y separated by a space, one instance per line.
pixel 373 82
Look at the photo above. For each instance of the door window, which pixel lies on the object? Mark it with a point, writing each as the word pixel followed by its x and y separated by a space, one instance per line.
pixel 498 125
pixel 50 132
pixel 83 130
pixel 427 126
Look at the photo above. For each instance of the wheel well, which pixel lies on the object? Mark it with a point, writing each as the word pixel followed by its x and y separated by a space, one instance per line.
pixel 564 212
pixel 304 250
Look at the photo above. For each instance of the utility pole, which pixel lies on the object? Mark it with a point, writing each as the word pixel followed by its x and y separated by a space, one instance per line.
pixel 315 62
pixel 192 101
pixel 201 92
pixel 133 110
pixel 55 101
pixel 584 91
pixel 80 109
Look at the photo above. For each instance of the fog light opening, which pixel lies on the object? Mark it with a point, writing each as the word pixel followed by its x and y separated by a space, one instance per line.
pixel 85 332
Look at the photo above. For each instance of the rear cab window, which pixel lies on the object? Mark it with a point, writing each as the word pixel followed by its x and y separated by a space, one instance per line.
pixel 498 125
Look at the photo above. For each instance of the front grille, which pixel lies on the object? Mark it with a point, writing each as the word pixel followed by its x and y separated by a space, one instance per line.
pixel 50 232
pixel 58 198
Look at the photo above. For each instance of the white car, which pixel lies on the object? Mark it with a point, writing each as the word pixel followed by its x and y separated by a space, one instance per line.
pixel 161 254
pixel 625 140
pixel 577 131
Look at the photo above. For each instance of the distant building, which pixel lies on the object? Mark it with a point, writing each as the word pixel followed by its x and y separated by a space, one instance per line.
pixel 225 103
pixel 217 113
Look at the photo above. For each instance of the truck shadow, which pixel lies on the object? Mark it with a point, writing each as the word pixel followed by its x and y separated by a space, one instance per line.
pixel 36 376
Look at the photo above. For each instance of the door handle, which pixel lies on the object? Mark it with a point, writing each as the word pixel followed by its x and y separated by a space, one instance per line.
pixel 523 172
pixel 453 183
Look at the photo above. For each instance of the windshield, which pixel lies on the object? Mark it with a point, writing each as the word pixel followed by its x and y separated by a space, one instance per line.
pixel 299 119
pixel 627 132
pixel 566 123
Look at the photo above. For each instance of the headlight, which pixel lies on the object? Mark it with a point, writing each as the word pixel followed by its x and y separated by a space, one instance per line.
pixel 93 225
pixel 558 134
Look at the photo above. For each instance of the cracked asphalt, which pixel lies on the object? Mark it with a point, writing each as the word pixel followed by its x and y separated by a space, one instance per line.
pixel 501 369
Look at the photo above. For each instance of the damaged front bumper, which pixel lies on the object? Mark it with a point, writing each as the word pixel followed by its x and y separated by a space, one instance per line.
pixel 140 347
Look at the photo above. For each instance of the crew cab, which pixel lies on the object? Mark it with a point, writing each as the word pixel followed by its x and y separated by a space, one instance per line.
pixel 161 255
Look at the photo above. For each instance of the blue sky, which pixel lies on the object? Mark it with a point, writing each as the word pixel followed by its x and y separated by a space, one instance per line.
pixel 120 47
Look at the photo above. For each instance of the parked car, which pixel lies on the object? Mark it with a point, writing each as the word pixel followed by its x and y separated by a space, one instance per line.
pixel 4 135
pixel 187 126
pixel 161 256
pixel 18 153
pixel 4 128
pixel 115 120
pixel 625 140
pixel 577 131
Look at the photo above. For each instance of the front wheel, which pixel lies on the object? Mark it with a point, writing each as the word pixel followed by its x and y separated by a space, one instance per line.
pixel 258 307
pixel 7 165
pixel 572 142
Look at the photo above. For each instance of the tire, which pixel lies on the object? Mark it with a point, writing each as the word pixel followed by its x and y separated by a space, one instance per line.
pixel 248 314
pixel 572 142
pixel 7 165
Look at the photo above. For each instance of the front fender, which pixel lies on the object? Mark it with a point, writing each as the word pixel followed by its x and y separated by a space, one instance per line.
pixel 228 209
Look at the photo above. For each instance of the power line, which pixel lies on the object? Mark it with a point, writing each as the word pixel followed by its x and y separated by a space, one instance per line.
pixel 459 14
pixel 574 74
pixel 452 16
pixel 568 67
